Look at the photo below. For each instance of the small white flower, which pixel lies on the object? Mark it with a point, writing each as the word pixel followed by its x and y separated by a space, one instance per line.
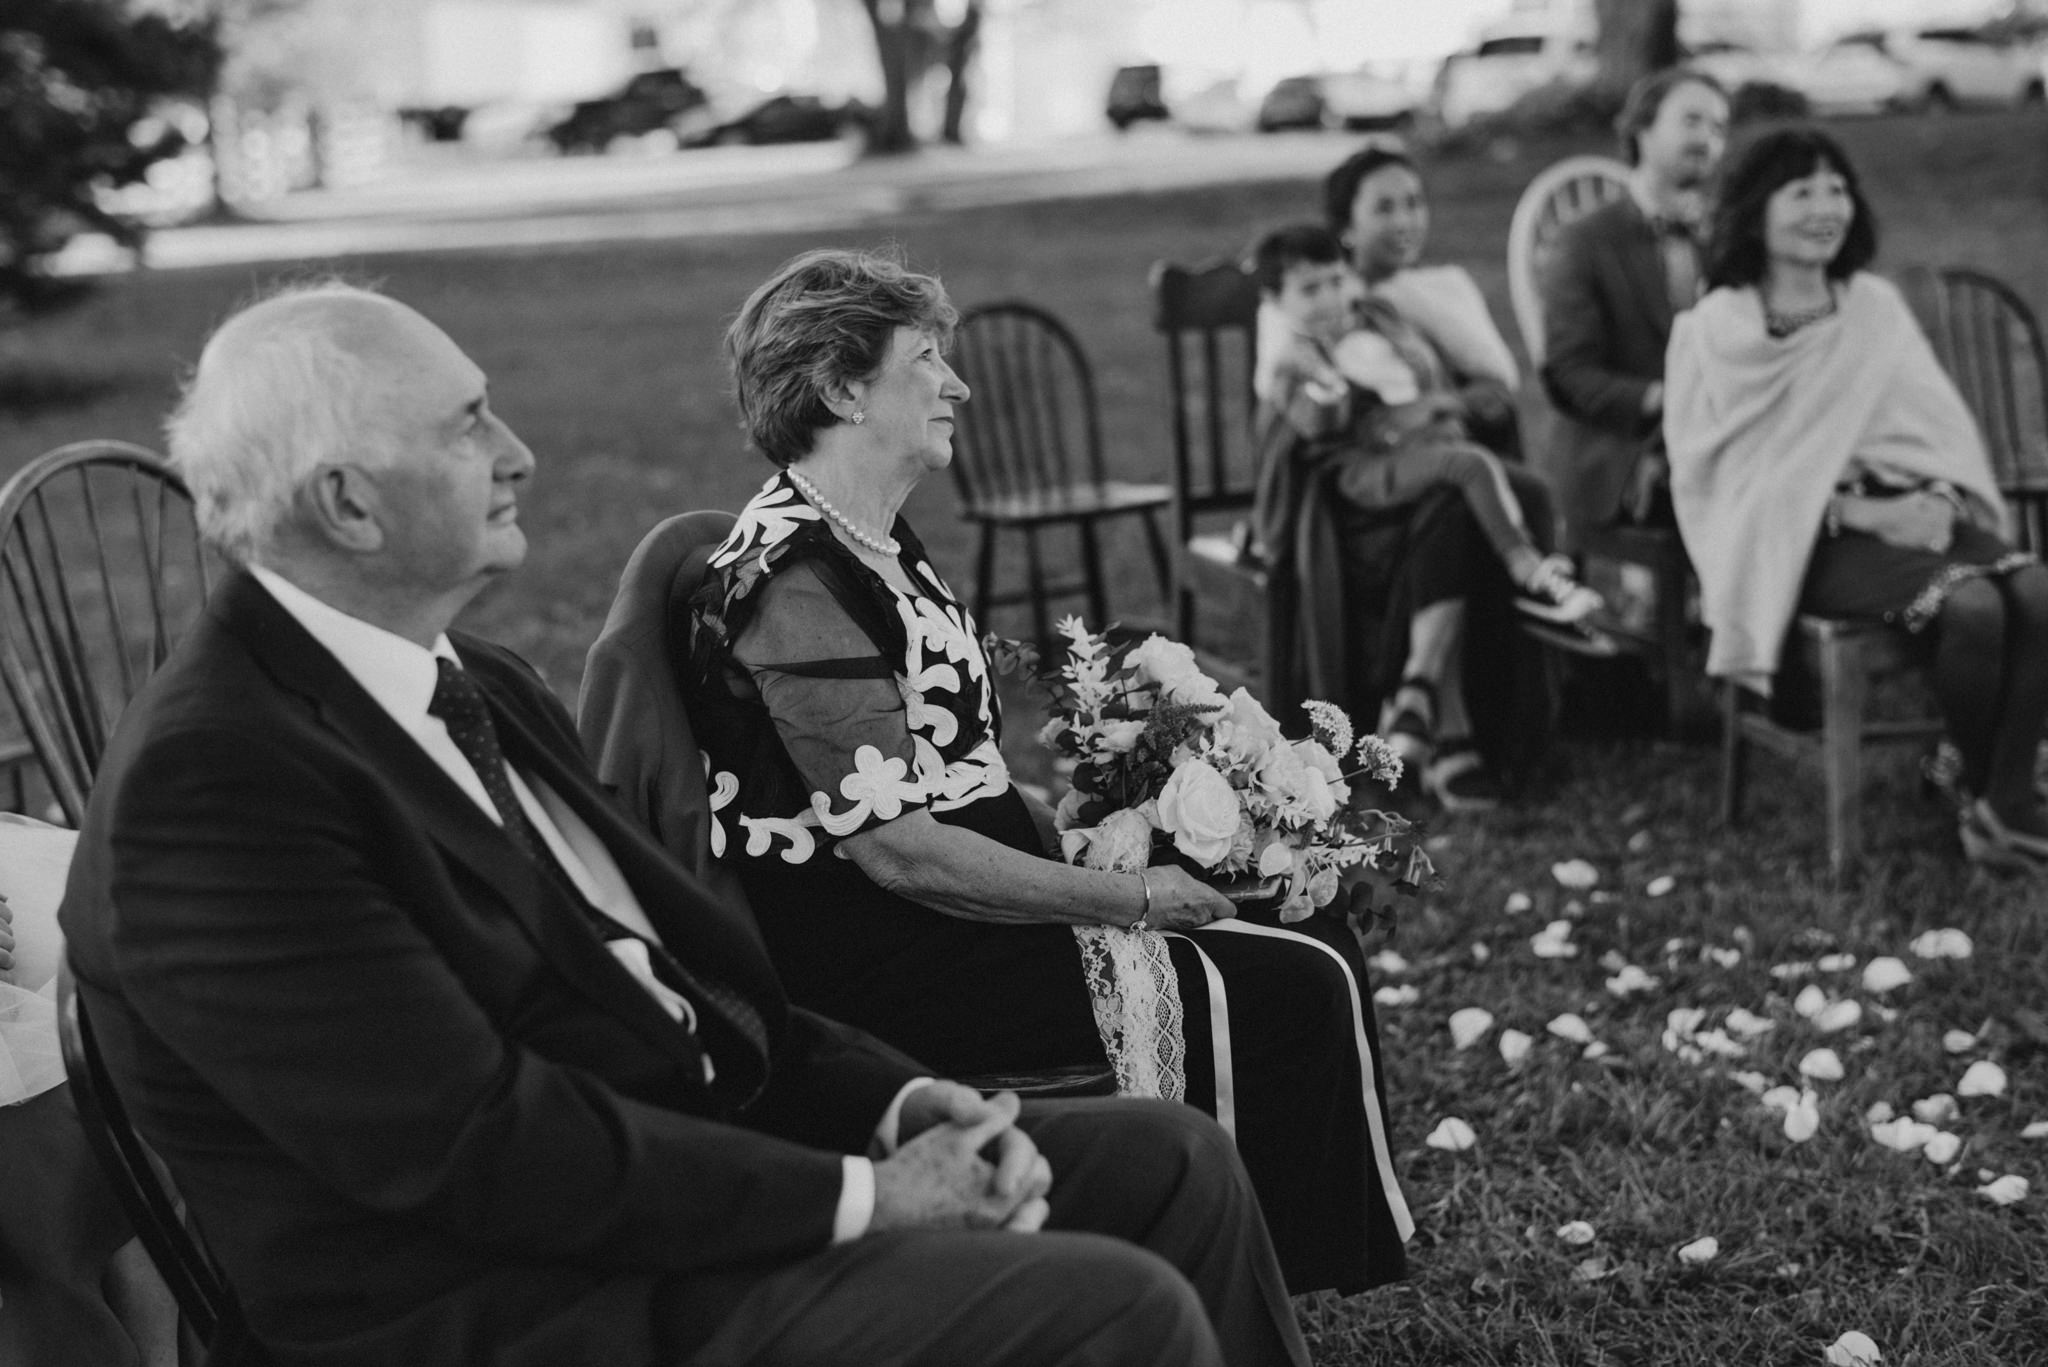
pixel 1576 1234
pixel 1802 1121
pixel 1748 1024
pixel 1452 1135
pixel 1572 1028
pixel 1469 1025
pixel 1822 1065
pixel 1811 1001
pixel 1700 1251
pixel 1942 944
pixel 1517 903
pixel 1836 963
pixel 1404 995
pixel 1576 874
pixel 1630 980
pixel 1938 1109
pixel 1661 885
pixel 1853 1349
pixel 2004 1191
pixel 2037 1130
pixel 1958 1041
pixel 1514 1046
pixel 1838 1016
pixel 1982 1078
pixel 1885 974
pixel 1942 1148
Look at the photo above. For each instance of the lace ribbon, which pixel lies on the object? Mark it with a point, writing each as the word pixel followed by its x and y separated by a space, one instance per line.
pixel 1136 996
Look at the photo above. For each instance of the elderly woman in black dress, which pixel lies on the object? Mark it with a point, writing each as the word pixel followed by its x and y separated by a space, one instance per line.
pixel 903 882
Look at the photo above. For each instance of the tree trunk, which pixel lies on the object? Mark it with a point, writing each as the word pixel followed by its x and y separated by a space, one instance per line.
pixel 960 45
pixel 895 44
pixel 1636 37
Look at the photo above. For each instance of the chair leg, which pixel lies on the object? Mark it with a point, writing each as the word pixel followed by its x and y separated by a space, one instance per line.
pixel 1671 642
pixel 1091 570
pixel 1734 755
pixel 1845 687
pixel 984 575
pixel 1041 614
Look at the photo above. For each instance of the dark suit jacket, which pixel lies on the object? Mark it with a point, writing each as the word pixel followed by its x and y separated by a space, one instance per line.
pixel 1606 322
pixel 419 1111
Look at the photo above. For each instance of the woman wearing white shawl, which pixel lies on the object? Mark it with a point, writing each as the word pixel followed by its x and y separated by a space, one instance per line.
pixel 1822 462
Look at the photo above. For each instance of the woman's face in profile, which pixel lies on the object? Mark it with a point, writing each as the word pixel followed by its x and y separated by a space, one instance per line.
pixel 1806 221
pixel 1389 222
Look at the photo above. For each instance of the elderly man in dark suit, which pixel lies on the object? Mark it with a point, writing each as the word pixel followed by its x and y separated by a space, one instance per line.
pixel 1616 280
pixel 453 1063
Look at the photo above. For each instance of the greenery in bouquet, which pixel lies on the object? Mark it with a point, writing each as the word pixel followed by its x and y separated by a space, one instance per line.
pixel 1166 765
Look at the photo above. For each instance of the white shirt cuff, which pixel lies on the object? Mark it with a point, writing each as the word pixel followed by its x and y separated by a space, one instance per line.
pixel 856 1199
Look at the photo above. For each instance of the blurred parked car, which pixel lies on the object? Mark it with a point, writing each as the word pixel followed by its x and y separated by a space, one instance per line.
pixel 1373 98
pixel 1135 94
pixel 1853 75
pixel 1293 102
pixel 784 118
pixel 653 101
pixel 1736 65
pixel 1503 68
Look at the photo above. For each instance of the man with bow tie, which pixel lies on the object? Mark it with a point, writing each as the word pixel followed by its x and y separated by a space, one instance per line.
pixel 1616 279
pixel 451 1062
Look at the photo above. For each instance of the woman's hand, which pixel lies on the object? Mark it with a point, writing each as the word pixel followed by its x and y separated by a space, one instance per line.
pixel 1180 901
pixel 1916 521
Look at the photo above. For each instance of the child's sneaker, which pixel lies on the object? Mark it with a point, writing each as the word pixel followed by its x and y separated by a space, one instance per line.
pixel 1553 595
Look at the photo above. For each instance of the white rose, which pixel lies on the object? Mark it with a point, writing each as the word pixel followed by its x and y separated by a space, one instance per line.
pixel 1199 810
pixel 1118 737
pixel 1251 719
pixel 1279 773
pixel 1050 732
pixel 1163 662
pixel 1121 844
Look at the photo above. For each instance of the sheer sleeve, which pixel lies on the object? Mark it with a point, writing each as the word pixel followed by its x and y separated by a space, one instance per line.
pixel 836 705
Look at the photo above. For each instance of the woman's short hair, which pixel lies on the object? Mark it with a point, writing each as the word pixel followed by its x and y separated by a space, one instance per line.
pixel 1646 100
pixel 1340 187
pixel 1735 247
pixel 821 319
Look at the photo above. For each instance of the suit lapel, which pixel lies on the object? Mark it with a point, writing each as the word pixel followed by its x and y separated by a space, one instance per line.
pixel 1643 260
pixel 446 813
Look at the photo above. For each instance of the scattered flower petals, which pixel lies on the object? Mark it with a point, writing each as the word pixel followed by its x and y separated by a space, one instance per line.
pixel 1959 1041
pixel 1838 1016
pixel 1661 885
pixel 1388 963
pixel 1630 980
pixel 1514 1046
pixel 1748 1024
pixel 1592 1270
pixel 1879 1112
pixel 1639 842
pixel 1700 1251
pixel 1938 1109
pixel 1517 903
pixel 1612 961
pixel 1725 958
pixel 1480 953
pixel 1572 1027
pixel 1811 1001
pixel 1942 944
pixel 1575 874
pixel 1781 1098
pixel 1822 1065
pixel 1573 907
pixel 1754 1082
pixel 1902 1135
pixel 1469 1026
pixel 1684 1020
pixel 1853 1349
pixel 2005 1190
pixel 1885 974
pixel 1942 1149
pixel 2037 1130
pixel 1554 941
pixel 1600 896
pixel 1802 1122
pixel 1405 995
pixel 1717 1042
pixel 1577 1234
pixel 1835 963
pixel 1452 1135
pixel 1982 1078
pixel 1597 1049
pixel 1786 972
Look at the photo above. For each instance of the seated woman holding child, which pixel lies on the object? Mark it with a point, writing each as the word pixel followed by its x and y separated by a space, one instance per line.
pixel 903 883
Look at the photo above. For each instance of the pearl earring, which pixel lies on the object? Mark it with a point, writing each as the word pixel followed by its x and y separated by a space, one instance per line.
pixel 858 418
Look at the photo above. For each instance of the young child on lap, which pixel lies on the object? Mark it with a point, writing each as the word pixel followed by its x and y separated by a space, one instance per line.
pixel 1348 366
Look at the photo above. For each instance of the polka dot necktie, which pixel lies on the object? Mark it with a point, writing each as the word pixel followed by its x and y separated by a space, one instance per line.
pixel 459 703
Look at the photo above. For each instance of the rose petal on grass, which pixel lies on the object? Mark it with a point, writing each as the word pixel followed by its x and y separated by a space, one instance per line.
pixel 1573 908
pixel 1748 1024
pixel 1938 1109
pixel 1480 953
pixel 1835 963
pixel 1796 968
pixel 1748 1081
pixel 1822 1065
pixel 2005 1190
pixel 1684 1020
pixel 2037 1130
pixel 1639 842
pixel 1879 1112
pixel 1576 1234
pixel 1387 962
pixel 1724 958
pixel 1958 1041
pixel 1517 903
pixel 1452 1135
pixel 1718 1043
pixel 1982 1078
pixel 1661 885
pixel 1700 1251
pixel 1811 1001
pixel 1885 974
pixel 1947 943
pixel 1942 1148
pixel 1601 896
pixel 1592 1270
pixel 1629 980
pixel 1576 874
pixel 1571 1026
pixel 1853 1349
pixel 1597 1049
pixel 1802 1122
pixel 1406 994
pixel 1780 1098
pixel 1554 941
pixel 1838 1016
pixel 1469 1025
pixel 1514 1046
pixel 1902 1135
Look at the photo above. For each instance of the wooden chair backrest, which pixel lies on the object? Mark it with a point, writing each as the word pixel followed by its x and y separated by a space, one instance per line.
pixel 1032 425
pixel 1209 318
pixel 1991 345
pixel 1559 196
pixel 101 572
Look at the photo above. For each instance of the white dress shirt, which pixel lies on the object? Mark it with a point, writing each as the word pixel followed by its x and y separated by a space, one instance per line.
pixel 400 677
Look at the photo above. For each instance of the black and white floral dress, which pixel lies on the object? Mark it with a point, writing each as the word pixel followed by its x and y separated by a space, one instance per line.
pixel 828 702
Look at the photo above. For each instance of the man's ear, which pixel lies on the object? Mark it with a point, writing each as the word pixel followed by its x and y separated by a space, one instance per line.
pixel 340 506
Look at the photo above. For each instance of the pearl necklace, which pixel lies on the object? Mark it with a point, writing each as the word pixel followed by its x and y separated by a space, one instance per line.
pixel 883 545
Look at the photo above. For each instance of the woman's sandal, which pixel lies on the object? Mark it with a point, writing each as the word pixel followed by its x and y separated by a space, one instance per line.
pixel 1459 780
pixel 1408 723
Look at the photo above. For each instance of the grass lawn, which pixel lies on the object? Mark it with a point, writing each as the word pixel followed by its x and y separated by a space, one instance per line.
pixel 605 360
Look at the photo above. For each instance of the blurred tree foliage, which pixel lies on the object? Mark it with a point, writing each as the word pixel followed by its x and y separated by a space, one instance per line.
pixel 1636 37
pixel 914 39
pixel 77 82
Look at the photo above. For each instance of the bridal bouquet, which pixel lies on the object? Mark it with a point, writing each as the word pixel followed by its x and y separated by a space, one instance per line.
pixel 1165 764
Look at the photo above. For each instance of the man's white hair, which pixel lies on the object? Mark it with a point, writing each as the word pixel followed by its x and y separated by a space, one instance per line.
pixel 278 392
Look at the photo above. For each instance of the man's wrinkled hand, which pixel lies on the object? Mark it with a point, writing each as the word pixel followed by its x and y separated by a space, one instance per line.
pixel 945 1178
pixel 1649 479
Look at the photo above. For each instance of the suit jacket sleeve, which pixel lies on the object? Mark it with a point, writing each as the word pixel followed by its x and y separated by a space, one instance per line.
pixel 266 942
pixel 1578 335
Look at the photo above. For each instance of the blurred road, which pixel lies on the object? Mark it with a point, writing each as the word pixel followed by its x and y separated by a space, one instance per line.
pixel 440 203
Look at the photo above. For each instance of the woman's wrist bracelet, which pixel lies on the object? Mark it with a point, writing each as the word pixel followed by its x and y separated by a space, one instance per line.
pixel 1144 916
